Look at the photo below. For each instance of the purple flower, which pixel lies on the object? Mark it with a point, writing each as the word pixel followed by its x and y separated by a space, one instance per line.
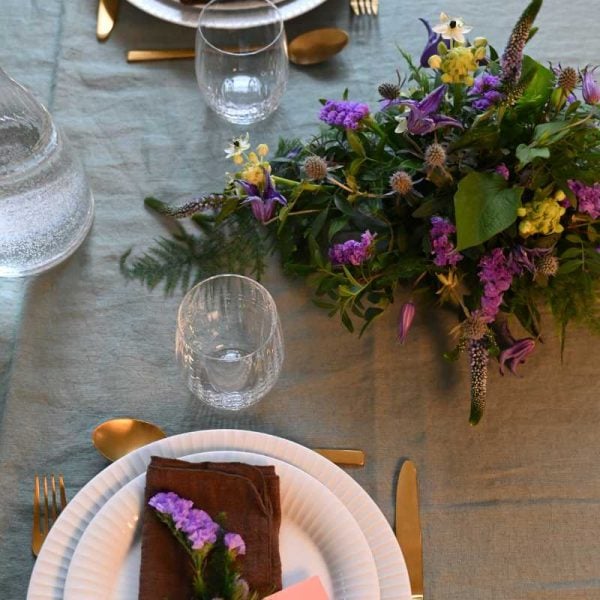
pixel 235 544
pixel 171 504
pixel 200 529
pixel 486 88
pixel 496 272
pixel 431 48
pixel 588 197
pixel 443 249
pixel 524 258
pixel 262 203
pixel 422 117
pixel 343 113
pixel 590 87
pixel 353 252
pixel 405 319
pixel 502 170
pixel 516 354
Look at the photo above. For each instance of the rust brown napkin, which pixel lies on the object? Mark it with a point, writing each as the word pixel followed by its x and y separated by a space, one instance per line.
pixel 249 495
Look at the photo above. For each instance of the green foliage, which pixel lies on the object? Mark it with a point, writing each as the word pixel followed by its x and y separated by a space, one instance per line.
pixel 484 206
pixel 237 245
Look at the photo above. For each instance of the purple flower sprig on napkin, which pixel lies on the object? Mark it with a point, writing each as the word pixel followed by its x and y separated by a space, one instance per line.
pixel 204 539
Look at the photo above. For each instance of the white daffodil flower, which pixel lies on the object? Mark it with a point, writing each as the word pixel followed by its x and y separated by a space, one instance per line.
pixel 402 124
pixel 238 145
pixel 452 28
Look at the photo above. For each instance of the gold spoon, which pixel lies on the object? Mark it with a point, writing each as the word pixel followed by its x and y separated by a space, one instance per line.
pixel 310 48
pixel 117 437
pixel 317 46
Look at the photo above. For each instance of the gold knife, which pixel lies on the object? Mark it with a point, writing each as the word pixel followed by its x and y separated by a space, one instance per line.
pixel 149 55
pixel 348 458
pixel 107 15
pixel 408 526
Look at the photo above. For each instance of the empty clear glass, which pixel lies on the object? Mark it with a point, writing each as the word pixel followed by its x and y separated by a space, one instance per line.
pixel 241 59
pixel 46 206
pixel 229 341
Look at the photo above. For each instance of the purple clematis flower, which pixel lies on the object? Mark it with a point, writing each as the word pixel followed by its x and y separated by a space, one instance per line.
pixel 431 48
pixel 262 203
pixel 516 354
pixel 590 87
pixel 405 319
pixel 422 117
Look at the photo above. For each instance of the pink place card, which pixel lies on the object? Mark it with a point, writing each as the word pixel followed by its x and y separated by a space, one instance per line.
pixel 311 589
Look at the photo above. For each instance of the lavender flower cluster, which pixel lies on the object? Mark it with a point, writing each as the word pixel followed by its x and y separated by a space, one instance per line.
pixel 197 526
pixel 343 113
pixel 353 252
pixel 588 197
pixel 441 247
pixel 496 272
pixel 486 88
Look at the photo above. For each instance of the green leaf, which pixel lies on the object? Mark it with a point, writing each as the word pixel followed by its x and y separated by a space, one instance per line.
pixel 336 226
pixel 571 253
pixel 569 267
pixel 484 206
pixel 318 223
pixel 539 82
pixel 549 133
pixel 526 154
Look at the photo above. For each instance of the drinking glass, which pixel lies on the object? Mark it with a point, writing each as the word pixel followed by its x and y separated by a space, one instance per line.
pixel 241 59
pixel 229 341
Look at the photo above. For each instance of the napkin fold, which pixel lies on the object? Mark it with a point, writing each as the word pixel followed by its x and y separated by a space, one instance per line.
pixel 247 494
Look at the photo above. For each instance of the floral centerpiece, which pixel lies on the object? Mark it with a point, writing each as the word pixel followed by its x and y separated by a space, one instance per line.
pixel 476 180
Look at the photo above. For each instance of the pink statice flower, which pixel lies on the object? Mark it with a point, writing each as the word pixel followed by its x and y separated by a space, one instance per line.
pixel 235 543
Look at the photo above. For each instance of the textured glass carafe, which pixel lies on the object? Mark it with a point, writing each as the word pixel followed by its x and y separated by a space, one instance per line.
pixel 46 207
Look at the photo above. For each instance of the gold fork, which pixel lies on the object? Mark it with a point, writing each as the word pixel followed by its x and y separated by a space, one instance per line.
pixel 45 515
pixel 364 7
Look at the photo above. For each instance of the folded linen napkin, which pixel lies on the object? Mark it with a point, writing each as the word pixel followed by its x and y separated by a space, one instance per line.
pixel 249 495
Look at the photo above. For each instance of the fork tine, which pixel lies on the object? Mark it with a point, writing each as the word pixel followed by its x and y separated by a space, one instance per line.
pixel 375 4
pixel 368 7
pixel 46 524
pixel 354 5
pixel 63 493
pixel 54 505
pixel 361 5
pixel 36 503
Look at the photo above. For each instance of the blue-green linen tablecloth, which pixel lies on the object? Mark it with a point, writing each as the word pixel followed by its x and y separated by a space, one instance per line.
pixel 510 509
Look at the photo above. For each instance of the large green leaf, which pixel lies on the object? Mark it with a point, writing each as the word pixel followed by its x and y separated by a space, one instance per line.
pixel 539 83
pixel 484 206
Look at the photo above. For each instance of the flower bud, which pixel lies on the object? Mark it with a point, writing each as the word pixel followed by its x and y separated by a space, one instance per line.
pixel 480 42
pixel 401 183
pixel 262 150
pixel 435 61
pixel 315 168
pixel 405 319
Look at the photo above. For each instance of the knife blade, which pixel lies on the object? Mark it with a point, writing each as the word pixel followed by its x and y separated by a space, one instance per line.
pixel 107 15
pixel 408 526
pixel 346 457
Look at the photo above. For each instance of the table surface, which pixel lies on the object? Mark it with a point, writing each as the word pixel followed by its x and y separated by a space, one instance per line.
pixel 510 509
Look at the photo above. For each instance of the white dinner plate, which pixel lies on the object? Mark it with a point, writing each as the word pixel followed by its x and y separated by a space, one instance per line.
pixel 181 14
pixel 50 570
pixel 318 536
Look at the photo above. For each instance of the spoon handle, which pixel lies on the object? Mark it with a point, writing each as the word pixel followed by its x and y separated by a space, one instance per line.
pixel 348 458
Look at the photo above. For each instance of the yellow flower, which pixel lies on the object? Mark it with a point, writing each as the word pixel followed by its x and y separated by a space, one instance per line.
pixel 452 28
pixel 541 216
pixel 253 174
pixel 435 61
pixel 459 64
pixel 238 159
pixel 262 150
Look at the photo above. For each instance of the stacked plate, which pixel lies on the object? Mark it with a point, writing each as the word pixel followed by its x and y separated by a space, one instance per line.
pixel 330 526
pixel 174 11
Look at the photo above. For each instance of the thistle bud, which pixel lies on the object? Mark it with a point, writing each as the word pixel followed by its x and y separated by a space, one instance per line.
pixel 315 168
pixel 389 91
pixel 567 80
pixel 547 265
pixel 435 156
pixel 401 183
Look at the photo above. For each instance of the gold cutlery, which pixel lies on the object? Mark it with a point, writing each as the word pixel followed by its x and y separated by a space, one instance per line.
pixel 317 46
pixel 107 15
pixel 46 512
pixel 408 526
pixel 117 437
pixel 151 55
pixel 309 48
pixel 365 7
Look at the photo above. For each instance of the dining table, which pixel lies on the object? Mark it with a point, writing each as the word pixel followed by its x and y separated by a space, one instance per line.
pixel 510 509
